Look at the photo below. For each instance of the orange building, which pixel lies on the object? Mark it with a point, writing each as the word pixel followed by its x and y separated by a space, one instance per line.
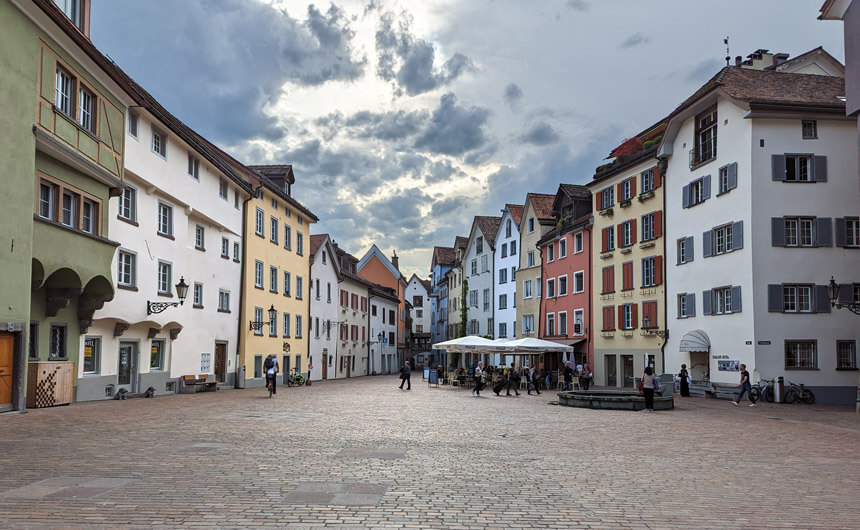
pixel 375 267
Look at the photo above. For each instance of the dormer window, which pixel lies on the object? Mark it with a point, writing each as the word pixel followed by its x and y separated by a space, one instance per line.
pixel 74 9
pixel 705 148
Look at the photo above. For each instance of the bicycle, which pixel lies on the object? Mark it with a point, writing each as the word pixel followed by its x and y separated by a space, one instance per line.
pixel 296 378
pixel 799 392
pixel 269 386
pixel 763 389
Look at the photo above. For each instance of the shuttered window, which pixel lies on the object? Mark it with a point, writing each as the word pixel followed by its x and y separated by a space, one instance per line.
pixel 608 279
pixel 798 298
pixel 722 300
pixel 848 232
pixel 685 250
pixel 696 192
pixel 799 168
pixel 686 305
pixel 728 178
pixel 723 239
pixel 627 276
pixel 608 318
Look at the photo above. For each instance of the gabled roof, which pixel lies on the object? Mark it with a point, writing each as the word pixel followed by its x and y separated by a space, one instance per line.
pixel 424 283
pixel 443 256
pixel 461 242
pixel 276 171
pixel 516 212
pixel 542 205
pixel 488 226
pixel 570 191
pixel 323 240
pixel 380 291
pixel 374 251
pixel 316 242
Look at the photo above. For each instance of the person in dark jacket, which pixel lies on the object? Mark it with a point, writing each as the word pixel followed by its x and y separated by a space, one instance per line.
pixel 568 376
pixel 684 375
pixel 406 375
pixel 513 380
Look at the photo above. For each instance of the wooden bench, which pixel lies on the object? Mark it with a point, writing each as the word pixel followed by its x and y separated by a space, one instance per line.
pixel 197 383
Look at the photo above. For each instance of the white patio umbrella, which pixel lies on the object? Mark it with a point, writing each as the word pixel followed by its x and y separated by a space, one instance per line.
pixel 530 344
pixel 471 343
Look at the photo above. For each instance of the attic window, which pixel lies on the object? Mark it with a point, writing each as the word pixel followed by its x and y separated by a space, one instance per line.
pixel 810 129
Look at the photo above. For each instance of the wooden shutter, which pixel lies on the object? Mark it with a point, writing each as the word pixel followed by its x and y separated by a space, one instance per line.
pixel 707 246
pixel 707 309
pixel 690 251
pixel 619 236
pixel 635 320
pixel 736 299
pixel 621 317
pixel 604 238
pixel 819 168
pixel 633 186
pixel 657 177
pixel 608 279
pixel 846 293
pixel 598 200
pixel 825 231
pixel 658 270
pixel 627 276
pixel 737 235
pixel 777 231
pixel 841 232
pixel 774 298
pixel 822 299
pixel 608 318
pixel 685 196
pixel 732 176
pixel 658 224
pixel 633 231
pixel 618 188
pixel 706 187
pixel 777 167
pixel 691 304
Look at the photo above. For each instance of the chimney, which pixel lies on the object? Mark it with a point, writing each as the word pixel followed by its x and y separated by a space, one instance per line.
pixel 395 261
pixel 738 60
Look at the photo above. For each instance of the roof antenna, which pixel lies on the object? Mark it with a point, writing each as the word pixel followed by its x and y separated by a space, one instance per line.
pixel 728 55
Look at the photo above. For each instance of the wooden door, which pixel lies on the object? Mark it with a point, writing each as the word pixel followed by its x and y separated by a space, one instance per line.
pixel 220 362
pixel 325 366
pixel 7 340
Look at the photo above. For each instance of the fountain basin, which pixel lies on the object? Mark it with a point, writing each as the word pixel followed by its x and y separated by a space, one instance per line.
pixel 613 400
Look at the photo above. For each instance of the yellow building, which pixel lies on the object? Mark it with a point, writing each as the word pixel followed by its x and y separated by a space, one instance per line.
pixel 275 307
pixel 628 300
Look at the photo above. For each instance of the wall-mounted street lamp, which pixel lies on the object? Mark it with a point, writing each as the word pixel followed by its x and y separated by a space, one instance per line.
pixel 833 292
pixel 181 293
pixel 648 330
pixel 257 324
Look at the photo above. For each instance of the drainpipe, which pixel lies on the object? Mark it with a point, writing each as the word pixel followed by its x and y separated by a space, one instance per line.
pixel 590 329
pixel 242 280
pixel 660 165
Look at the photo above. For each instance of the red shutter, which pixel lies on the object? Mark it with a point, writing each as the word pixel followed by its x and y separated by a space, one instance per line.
pixel 612 279
pixel 627 276
pixel 657 178
pixel 619 236
pixel 618 191
pixel 633 186
pixel 363 332
pixel 598 200
pixel 635 318
pixel 633 231
pixel 620 317
pixel 658 224
pixel 604 238
pixel 658 270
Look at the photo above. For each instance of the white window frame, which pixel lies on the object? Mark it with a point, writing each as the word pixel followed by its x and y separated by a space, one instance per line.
pixel 87 109
pixel 126 259
pixel 133 125
pixel 165 219
pixel 258 274
pixel 199 237
pixel 528 324
pixel 811 352
pixel 165 277
pixel 607 197
pixel 223 300
pixel 627 316
pixel 530 258
pixel 197 294
pixel 579 282
pixel 550 325
pixel 561 324
pixel 64 89
pixel 550 252
pixel 647 180
pixel 722 237
pixel 550 288
pixel 648 227
pixel 527 289
pixel 579 315
pixel 158 145
pixel 649 273
pixel 561 281
pixel 577 243
pixel 797 298
pixel 722 300
pixel 273 279
pixel 260 223
pixel 193 166
pixel 127 204
pixel 223 188
pixel 273 229
pixel 682 305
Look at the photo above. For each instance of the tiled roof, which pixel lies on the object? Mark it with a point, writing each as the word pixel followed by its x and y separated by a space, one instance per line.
pixel 542 205
pixel 461 242
pixel 488 227
pixel 426 284
pixel 575 191
pixel 316 242
pixel 443 255
pixel 516 212
pixel 276 171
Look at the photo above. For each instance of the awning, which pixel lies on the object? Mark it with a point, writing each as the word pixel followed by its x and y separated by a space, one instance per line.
pixel 695 341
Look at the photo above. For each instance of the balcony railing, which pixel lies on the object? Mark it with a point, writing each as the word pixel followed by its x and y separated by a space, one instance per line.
pixel 703 153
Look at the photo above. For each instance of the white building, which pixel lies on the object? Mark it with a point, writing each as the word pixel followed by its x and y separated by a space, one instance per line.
pixel 507 259
pixel 325 277
pixel 383 330
pixel 478 272
pixel 418 294
pixel 761 207
pixel 352 354
pixel 179 217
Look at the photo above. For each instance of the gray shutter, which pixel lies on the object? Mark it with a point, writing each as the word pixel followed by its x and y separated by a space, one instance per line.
pixel 706 303
pixel 706 244
pixel 777 231
pixel 691 304
pixel 706 187
pixel 846 293
pixel 686 196
pixel 822 299
pixel 733 176
pixel 841 235
pixel 819 168
pixel 774 298
pixel 737 235
pixel 736 299
pixel 690 252
pixel 777 167
pixel 825 232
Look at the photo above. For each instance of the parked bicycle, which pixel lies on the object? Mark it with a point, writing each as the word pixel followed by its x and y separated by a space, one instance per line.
pixel 763 389
pixel 296 378
pixel 799 392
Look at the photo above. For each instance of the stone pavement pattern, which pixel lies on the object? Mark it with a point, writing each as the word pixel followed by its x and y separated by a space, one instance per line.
pixel 361 453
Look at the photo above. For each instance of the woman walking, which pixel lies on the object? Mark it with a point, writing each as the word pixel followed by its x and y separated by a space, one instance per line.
pixel 648 380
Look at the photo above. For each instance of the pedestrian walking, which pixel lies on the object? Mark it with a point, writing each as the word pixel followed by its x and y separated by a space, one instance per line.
pixel 585 377
pixel 478 379
pixel 685 381
pixel 649 383
pixel 568 376
pixel 406 376
pixel 272 369
pixel 746 387
pixel 534 380
pixel 514 378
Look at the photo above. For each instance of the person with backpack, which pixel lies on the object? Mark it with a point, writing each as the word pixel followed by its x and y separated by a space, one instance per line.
pixel 272 369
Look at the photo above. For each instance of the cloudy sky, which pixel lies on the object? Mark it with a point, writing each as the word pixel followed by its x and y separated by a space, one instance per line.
pixel 404 119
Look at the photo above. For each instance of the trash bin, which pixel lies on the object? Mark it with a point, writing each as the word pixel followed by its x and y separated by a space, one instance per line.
pixel 240 377
pixel 778 389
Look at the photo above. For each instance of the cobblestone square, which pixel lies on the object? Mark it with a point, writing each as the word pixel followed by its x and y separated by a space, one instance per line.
pixel 362 453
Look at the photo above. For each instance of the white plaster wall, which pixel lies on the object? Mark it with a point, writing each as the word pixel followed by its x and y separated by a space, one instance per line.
pixel 324 308
pixel 509 288
pixel 479 281
pixel 351 317
pixel 383 355
pixel 727 333
pixel 416 288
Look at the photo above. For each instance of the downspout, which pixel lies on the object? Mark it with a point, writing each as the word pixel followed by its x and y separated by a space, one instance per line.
pixel 242 280
pixel 589 351
pixel 661 164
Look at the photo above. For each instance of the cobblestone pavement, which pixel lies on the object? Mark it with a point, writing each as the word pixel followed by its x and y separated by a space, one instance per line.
pixel 360 452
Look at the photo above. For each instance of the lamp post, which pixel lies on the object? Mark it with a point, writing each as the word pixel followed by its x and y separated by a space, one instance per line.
pixel 647 330
pixel 258 324
pixel 833 289
pixel 181 293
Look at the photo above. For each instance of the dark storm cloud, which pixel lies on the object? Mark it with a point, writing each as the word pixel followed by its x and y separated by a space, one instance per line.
pixel 409 61
pixel 634 40
pixel 447 206
pixel 454 129
pixel 540 134
pixel 235 57
pixel 389 126
pixel 513 94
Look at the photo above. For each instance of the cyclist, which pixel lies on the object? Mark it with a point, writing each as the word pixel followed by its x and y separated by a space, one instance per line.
pixel 272 369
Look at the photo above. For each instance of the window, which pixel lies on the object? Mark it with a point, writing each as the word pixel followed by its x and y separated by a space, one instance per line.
pixel 652 273
pixel 287 321
pixel 473 298
pixel 685 250
pixel 801 355
pixel 503 275
pixel 562 285
pixel 627 233
pixel 722 300
pixel 846 355
pixel 225 247
pixel 550 288
pixel 798 232
pixel 538 285
pixel 531 224
pixel 798 168
pixel 608 280
pixel 323 257
pixel 273 325
pixel 69 212
pixel 648 227
pixel 550 252
pixel 132 124
pixel 89 217
pixel 199 238
pixel 848 232
pixel 57 347
pixel 299 288
pixel 696 192
pixel 165 273
pixel 647 179
pixel 504 250
pixel 479 245
pixel 275 204
pixel 626 190
pixel 126 268
pixel 728 178
pixel 328 292
pixel 236 252
pixel 159 143
pixel 156 356
pixel 165 219
pixel 797 298
pixel 550 325
pixel 273 279
pixel 527 289
pixel 258 274
pixel 508 228
pixel 63 92
pixel 193 167
pixel 608 237
pixel 47 199
pixel 486 299
pixel 223 300
pixel 223 188
pixel 562 324
pixel 484 266
pixel 299 243
pixel 705 137
pixel 128 204
pixel 579 282
pixel 810 129
pixel 607 198
pixel 298 326
pixel 513 248
pixel 236 199
pixel 198 294
pixel 723 239
pixel 273 236
pixel 628 316
pixel 503 330
pixel 503 301
pixel 73 10
pixel 530 258
pixel 528 324
pixel 474 267
pixel 87 110
pixel 577 243
pixel 288 237
pixel 92 354
pixel 258 317
pixel 259 229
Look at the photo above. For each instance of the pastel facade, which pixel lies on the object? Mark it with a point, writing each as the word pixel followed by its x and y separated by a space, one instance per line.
pixel 353 342
pixel 383 330
pixel 325 289
pixel 536 222
pixel 443 260
pixel 506 260
pixel 478 273
pixel 376 268
pixel 418 294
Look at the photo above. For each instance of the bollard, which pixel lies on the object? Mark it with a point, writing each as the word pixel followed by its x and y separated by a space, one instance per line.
pixel 778 387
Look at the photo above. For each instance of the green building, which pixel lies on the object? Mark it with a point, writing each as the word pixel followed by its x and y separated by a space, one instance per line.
pixel 62 125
